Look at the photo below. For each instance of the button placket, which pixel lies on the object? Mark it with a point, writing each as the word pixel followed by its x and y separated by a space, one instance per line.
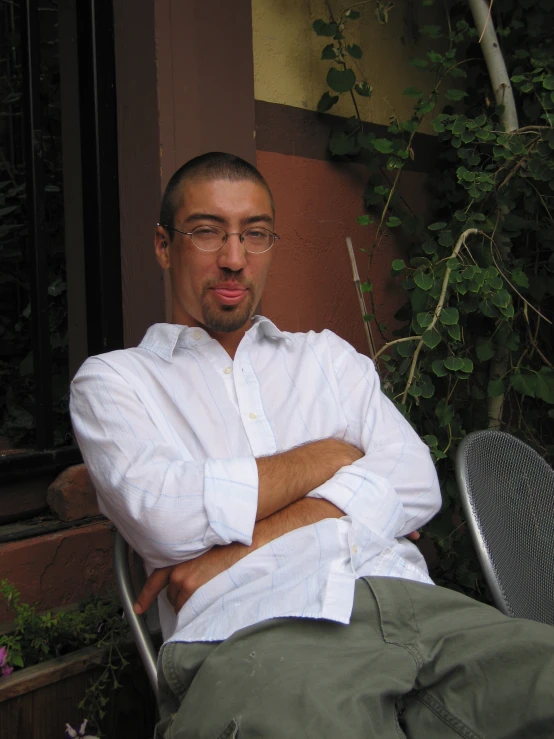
pixel 257 427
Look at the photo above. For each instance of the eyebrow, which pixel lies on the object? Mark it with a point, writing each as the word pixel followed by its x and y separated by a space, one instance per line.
pixel 264 217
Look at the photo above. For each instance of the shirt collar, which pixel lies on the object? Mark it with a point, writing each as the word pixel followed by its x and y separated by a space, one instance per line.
pixel 163 338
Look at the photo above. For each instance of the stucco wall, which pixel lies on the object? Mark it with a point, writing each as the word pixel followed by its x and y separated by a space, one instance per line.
pixel 287 56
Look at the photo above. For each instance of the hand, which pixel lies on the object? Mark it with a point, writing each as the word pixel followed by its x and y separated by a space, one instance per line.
pixel 414 536
pixel 184 579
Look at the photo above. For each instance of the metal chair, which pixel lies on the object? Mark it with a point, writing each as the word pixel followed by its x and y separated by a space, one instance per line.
pixel 507 493
pixel 138 624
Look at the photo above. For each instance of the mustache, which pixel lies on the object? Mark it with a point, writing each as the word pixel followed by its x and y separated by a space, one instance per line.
pixel 225 278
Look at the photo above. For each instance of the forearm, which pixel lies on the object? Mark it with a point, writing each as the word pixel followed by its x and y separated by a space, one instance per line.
pixel 183 580
pixel 284 479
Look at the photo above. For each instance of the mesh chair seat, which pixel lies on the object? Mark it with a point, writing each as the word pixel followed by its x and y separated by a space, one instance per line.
pixel 507 493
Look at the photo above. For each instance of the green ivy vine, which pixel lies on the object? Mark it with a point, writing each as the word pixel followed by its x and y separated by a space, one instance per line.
pixel 475 349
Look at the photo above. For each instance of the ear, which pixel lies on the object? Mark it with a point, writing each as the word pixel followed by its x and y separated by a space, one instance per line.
pixel 162 247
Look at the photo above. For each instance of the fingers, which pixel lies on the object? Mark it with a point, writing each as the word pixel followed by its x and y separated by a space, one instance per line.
pixel 414 536
pixel 152 588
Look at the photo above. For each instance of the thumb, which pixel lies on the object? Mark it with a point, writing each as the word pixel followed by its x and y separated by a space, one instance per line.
pixel 157 581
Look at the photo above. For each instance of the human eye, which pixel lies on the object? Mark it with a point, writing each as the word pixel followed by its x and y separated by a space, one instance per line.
pixel 206 231
pixel 257 233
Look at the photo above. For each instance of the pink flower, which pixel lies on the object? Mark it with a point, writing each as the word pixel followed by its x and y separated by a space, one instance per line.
pixel 5 669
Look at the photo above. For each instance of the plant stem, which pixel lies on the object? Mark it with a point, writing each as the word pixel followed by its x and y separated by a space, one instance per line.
pixel 438 309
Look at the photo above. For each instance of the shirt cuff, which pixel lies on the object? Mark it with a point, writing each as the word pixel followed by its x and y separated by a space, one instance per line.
pixel 230 500
pixel 365 497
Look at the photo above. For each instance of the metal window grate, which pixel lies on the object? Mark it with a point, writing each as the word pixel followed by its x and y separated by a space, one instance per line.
pixel 508 496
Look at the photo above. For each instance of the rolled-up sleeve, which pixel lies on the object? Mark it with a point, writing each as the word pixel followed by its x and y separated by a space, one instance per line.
pixel 394 488
pixel 167 505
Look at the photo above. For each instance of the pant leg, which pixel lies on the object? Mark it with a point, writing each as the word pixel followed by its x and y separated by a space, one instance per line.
pixel 481 675
pixel 290 678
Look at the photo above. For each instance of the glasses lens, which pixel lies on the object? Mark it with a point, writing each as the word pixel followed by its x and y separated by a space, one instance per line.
pixel 258 239
pixel 208 238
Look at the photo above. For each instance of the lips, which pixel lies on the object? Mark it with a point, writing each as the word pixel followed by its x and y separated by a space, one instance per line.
pixel 230 295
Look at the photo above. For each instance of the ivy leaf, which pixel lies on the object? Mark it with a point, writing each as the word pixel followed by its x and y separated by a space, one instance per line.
pixel 501 298
pixel 444 412
pixel 326 102
pixel 424 319
pixel 519 278
pixel 366 287
pixel 439 368
pixel 524 382
pixel 545 385
pixel 365 220
pixel 341 80
pixel 384 146
pixel 454 363
pixel 548 82
pixel 495 388
pixel 398 264
pixel 455 95
pixel 436 226
pixel 431 338
pixel 467 365
pixel 341 144
pixel 449 316
pixel 394 221
pixel 354 51
pixel 446 238
pixel 484 349
pixel 455 332
pixel 423 280
pixel 329 52
pixel 430 440
pixel 426 385
pixel 324 29
pixel 363 89
pixel 405 348
pixel 412 92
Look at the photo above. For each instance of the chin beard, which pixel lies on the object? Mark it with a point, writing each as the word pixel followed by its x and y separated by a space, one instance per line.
pixel 227 318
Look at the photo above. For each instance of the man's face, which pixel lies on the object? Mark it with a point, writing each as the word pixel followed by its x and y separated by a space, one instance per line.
pixel 217 290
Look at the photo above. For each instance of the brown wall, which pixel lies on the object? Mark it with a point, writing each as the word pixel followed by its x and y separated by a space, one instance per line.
pixel 317 202
pixel 310 285
pixel 185 85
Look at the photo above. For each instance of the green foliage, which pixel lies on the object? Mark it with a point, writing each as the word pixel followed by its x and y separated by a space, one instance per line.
pixel 36 638
pixel 479 276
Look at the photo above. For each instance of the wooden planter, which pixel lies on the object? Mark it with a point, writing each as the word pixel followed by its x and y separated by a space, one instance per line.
pixel 37 702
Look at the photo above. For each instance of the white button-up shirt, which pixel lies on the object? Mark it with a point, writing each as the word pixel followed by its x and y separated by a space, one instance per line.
pixel 170 432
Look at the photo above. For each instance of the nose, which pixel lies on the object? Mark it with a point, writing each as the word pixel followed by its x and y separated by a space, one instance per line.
pixel 232 254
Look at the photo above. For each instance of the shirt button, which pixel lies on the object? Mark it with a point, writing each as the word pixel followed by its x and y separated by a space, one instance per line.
pixel 355 549
pixel 196 335
pixel 253 416
pixel 228 370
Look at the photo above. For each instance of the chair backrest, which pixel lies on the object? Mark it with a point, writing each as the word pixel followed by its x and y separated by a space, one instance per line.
pixel 138 624
pixel 507 492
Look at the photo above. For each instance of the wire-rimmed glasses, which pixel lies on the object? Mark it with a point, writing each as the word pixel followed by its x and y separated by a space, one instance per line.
pixel 256 240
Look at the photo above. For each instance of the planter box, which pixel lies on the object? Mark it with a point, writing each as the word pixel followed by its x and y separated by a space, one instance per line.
pixel 37 702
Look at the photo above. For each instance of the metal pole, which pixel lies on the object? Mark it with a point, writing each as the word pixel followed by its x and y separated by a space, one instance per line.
pixel 37 243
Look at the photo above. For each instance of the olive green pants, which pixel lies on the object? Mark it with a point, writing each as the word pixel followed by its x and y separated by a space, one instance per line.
pixel 416 661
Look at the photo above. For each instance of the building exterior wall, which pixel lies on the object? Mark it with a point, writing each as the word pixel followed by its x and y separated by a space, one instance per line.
pixel 318 200
pixel 287 56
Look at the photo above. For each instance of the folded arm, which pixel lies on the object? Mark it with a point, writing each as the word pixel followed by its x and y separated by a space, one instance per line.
pixel 393 488
pixel 184 579
pixel 148 484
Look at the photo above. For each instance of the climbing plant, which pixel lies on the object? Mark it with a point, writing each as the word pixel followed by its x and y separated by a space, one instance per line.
pixel 474 350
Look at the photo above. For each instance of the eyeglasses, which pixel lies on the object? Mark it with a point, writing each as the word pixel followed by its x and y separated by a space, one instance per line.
pixel 211 238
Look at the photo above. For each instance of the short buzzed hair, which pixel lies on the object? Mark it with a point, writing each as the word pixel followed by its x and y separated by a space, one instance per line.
pixel 215 165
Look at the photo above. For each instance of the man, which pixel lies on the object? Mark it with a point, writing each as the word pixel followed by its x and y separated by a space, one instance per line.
pixel 270 485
